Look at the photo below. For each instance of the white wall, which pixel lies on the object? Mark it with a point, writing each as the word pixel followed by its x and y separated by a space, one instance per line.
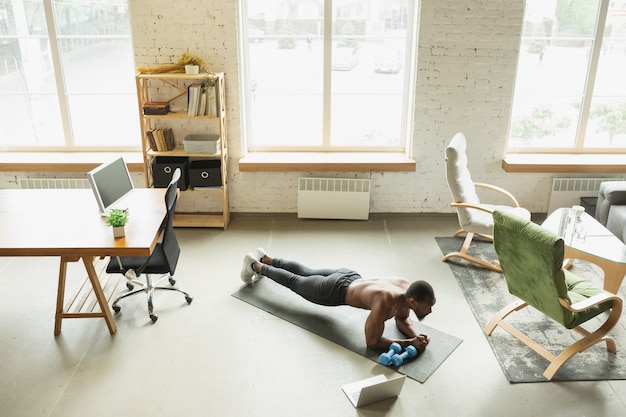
pixel 466 65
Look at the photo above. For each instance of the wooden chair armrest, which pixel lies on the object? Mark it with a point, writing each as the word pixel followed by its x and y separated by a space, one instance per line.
pixel 471 206
pixel 499 190
pixel 589 302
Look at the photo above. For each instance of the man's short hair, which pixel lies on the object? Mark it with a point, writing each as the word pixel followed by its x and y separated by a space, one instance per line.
pixel 419 290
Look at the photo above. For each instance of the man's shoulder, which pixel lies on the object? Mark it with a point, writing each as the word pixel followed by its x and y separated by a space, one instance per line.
pixel 393 285
pixel 393 280
pixel 384 298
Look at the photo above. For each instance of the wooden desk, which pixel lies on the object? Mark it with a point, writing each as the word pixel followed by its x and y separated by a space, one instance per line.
pixel 600 247
pixel 66 223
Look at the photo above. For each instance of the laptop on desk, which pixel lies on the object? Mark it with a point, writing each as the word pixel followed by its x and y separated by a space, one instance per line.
pixel 374 389
pixel 110 183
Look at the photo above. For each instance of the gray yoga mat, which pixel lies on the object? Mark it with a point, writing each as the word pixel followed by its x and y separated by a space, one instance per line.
pixel 344 326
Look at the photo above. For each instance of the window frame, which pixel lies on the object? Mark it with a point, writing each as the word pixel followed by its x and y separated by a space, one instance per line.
pixel 62 93
pixel 408 98
pixel 578 147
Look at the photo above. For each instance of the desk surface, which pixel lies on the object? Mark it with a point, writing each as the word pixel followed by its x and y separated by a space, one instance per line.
pixel 599 241
pixel 67 223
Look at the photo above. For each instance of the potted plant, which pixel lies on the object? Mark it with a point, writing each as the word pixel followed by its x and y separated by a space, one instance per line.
pixel 191 63
pixel 117 219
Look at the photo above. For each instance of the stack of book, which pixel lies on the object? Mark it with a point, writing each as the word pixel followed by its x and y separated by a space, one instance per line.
pixel 201 100
pixel 156 108
pixel 161 139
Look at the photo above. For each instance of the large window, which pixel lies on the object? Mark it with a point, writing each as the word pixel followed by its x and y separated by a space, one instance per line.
pixel 66 75
pixel 327 74
pixel 570 93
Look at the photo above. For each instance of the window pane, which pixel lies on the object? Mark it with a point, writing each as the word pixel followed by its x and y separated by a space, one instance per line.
pixel 368 73
pixel 98 67
pixel 607 117
pixel 543 122
pixel 104 120
pixel 286 71
pixel 29 106
pixel 552 69
pixel 30 120
pixel 365 74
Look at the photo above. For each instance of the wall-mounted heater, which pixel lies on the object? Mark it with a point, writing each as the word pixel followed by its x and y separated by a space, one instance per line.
pixel 566 192
pixel 333 198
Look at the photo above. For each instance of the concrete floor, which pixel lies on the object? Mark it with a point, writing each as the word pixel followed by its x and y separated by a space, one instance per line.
pixel 222 357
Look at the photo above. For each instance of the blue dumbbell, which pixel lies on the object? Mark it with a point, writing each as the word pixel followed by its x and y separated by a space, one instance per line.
pixel 398 359
pixel 385 358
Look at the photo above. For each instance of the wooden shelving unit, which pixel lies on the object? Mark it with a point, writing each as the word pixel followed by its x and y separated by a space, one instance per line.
pixel 178 83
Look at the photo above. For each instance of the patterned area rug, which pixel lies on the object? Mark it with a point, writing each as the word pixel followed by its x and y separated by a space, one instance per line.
pixel 486 293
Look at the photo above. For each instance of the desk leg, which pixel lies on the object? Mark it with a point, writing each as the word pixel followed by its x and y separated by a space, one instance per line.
pixel 58 317
pixel 613 272
pixel 97 289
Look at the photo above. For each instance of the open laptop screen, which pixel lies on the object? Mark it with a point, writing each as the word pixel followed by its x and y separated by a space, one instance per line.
pixel 110 182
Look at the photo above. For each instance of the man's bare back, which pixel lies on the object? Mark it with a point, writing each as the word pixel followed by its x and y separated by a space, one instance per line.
pixel 363 292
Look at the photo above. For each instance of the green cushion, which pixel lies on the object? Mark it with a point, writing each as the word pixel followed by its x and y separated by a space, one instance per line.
pixel 579 289
pixel 532 262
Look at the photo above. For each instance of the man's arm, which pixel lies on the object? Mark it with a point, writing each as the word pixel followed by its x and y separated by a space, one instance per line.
pixel 375 326
pixel 405 325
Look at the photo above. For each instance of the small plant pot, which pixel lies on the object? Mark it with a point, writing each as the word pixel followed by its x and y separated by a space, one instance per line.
pixel 119 231
pixel 192 69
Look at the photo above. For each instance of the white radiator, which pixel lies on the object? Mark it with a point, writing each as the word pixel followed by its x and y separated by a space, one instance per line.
pixel 53 183
pixel 333 198
pixel 566 192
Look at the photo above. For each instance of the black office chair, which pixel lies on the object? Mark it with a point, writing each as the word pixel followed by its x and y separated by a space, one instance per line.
pixel 162 261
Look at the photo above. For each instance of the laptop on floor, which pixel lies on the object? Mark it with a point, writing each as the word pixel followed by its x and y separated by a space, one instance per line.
pixel 374 389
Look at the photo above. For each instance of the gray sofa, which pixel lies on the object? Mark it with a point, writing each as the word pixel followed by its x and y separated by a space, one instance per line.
pixel 611 207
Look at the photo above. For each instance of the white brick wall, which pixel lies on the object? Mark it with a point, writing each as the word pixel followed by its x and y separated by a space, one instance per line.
pixel 466 64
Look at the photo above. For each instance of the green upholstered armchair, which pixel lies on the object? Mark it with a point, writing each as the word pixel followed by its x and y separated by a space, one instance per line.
pixel 474 215
pixel 532 262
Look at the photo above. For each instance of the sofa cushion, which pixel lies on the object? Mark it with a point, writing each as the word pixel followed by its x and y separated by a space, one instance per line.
pixel 617 221
pixel 615 192
pixel 610 193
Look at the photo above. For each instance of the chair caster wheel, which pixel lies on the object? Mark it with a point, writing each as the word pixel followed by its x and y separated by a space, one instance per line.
pixel 129 286
pixel 116 309
pixel 189 300
pixel 172 281
pixel 154 318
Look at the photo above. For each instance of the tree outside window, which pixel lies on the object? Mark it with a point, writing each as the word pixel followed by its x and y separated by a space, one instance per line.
pixel 570 93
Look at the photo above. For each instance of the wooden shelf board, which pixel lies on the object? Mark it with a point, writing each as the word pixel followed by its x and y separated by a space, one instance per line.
pixel 199 220
pixel 178 115
pixel 180 151
pixel 178 75
pixel 84 301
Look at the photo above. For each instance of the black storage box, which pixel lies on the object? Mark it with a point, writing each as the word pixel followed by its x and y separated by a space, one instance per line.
pixel 589 203
pixel 205 173
pixel 163 168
